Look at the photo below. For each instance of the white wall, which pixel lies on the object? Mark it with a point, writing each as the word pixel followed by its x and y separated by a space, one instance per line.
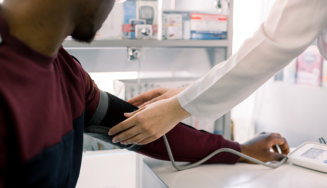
pixel 248 15
pixel 296 111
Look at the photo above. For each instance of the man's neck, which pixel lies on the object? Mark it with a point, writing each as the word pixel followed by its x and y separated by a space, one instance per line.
pixel 36 26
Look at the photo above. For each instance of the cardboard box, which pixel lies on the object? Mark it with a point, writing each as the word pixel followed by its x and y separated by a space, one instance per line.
pixel 309 67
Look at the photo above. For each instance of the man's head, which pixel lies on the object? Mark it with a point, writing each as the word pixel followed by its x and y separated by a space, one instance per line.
pixel 89 17
pixel 44 24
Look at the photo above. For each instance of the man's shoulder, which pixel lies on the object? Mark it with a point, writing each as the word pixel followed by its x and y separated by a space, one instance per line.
pixel 69 61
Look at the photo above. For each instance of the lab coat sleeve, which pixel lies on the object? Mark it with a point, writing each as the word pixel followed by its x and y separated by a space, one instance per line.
pixel 191 145
pixel 290 28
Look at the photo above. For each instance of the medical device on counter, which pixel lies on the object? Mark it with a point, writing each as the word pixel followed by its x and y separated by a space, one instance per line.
pixel 310 155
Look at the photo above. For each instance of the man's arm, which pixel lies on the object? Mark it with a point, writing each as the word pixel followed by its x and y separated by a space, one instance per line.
pixel 191 145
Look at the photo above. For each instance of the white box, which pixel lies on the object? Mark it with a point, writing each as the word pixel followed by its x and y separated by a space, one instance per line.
pixel 173 26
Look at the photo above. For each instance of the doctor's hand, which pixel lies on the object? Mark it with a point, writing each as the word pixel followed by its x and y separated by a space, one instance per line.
pixel 154 95
pixel 264 147
pixel 149 123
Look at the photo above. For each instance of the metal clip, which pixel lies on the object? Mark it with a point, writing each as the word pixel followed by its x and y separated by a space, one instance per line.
pixel 133 54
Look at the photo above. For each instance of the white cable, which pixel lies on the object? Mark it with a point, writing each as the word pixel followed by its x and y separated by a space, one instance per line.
pixel 179 168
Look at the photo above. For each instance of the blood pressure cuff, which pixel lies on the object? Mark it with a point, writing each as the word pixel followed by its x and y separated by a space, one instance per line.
pixel 110 112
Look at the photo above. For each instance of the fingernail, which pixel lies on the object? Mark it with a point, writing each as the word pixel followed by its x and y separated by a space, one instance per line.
pixel 110 133
pixel 114 140
pixel 124 143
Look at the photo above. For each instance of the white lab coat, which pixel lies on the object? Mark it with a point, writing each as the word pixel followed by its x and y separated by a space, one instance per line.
pixel 290 28
pixel 322 43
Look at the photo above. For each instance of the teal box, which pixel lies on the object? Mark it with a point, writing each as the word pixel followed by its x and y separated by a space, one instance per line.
pixel 129 11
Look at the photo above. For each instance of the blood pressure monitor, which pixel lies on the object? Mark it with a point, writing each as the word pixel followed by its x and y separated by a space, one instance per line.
pixel 310 155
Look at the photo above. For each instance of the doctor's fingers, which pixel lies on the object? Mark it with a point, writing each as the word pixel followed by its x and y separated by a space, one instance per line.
pixel 153 100
pixel 128 136
pixel 130 114
pixel 147 96
pixel 138 139
pixel 158 98
pixel 126 124
pixel 165 95
pixel 135 128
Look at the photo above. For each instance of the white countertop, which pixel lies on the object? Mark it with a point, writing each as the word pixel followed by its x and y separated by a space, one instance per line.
pixel 116 169
pixel 124 169
pixel 239 175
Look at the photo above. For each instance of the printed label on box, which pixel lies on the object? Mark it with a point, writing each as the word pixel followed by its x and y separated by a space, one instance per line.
pixel 208 26
pixel 208 22
pixel 173 26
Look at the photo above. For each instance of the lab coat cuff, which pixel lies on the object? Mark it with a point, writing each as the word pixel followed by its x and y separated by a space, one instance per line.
pixel 194 111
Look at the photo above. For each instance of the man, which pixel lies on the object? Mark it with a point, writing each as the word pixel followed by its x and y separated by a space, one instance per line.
pixel 47 99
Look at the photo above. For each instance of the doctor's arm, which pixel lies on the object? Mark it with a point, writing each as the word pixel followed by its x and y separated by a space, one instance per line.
pixel 287 32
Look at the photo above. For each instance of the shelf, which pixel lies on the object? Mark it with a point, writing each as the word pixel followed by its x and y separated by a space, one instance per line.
pixel 147 43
